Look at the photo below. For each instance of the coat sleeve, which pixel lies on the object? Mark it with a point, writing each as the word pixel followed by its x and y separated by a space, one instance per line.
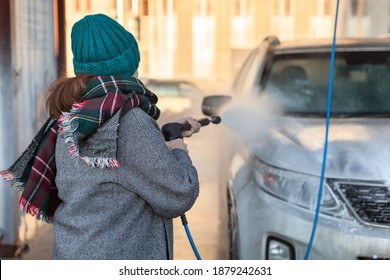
pixel 166 180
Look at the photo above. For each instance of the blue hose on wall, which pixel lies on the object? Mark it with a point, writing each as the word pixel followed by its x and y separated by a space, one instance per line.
pixel 326 135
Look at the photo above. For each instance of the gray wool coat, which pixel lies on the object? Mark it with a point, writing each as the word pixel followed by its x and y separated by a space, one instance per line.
pixel 125 212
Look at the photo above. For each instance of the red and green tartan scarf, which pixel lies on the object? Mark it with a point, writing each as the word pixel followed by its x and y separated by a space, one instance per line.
pixel 90 130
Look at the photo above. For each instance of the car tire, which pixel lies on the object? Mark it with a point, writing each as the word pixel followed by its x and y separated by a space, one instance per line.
pixel 232 227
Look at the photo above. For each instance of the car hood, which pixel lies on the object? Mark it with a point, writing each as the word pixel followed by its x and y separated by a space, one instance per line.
pixel 357 148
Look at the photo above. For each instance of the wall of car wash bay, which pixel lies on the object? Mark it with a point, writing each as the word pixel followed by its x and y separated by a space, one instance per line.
pixel 28 65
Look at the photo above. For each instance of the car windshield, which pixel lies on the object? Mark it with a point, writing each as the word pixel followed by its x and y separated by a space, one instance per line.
pixel 361 84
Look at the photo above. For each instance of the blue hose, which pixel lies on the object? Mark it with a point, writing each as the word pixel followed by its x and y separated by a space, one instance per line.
pixel 326 136
pixel 185 224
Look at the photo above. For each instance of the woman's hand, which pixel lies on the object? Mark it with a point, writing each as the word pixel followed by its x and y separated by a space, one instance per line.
pixel 195 126
pixel 177 144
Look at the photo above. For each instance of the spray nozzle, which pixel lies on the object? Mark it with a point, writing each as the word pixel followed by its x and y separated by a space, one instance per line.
pixel 215 119
pixel 173 131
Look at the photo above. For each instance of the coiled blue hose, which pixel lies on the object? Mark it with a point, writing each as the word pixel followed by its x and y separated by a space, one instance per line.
pixel 326 136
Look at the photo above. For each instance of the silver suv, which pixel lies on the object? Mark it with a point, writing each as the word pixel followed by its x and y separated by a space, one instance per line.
pixel 272 183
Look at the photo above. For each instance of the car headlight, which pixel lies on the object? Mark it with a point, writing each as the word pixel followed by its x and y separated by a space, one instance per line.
pixel 296 188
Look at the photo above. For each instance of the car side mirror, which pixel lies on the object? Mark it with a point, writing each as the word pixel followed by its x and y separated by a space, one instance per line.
pixel 212 105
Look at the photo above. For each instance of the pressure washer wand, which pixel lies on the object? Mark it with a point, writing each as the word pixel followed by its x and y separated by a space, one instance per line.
pixel 203 122
pixel 173 131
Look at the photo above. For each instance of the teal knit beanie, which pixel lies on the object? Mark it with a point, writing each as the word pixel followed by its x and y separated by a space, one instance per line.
pixel 101 46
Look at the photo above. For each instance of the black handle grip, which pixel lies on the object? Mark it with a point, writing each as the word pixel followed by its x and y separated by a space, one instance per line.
pixel 171 131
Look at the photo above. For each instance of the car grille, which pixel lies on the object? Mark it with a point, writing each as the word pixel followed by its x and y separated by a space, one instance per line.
pixel 369 203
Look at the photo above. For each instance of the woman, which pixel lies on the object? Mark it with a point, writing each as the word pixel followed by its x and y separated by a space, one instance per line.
pixel 100 169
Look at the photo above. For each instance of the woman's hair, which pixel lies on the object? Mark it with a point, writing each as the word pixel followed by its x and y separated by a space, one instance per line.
pixel 64 92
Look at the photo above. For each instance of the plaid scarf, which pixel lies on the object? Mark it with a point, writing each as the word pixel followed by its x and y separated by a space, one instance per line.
pixel 90 130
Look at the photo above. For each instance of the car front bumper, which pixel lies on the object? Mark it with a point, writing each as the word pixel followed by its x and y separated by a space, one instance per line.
pixel 262 216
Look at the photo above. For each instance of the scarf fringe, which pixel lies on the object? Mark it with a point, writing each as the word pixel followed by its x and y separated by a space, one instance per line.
pixel 7 175
pixel 68 129
pixel 34 211
pixel 18 185
pixel 15 183
pixel 101 162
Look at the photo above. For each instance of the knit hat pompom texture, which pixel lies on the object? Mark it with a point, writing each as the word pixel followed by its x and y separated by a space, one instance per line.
pixel 101 46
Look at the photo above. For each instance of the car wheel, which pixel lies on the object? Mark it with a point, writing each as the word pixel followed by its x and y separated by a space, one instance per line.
pixel 232 227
